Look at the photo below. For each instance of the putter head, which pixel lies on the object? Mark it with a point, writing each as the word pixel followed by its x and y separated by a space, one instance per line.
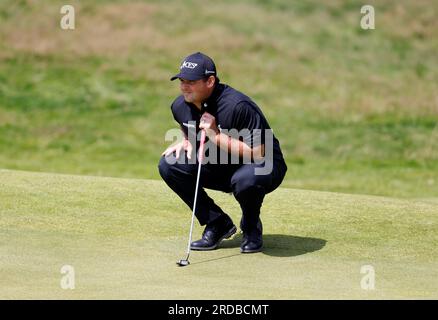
pixel 183 263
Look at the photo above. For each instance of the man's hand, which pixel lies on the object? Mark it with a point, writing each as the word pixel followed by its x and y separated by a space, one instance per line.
pixel 208 123
pixel 183 145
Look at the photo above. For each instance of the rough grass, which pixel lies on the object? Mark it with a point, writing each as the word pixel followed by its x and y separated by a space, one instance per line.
pixel 123 237
pixel 355 111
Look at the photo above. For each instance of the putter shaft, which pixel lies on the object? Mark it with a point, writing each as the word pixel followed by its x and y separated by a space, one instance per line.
pixel 200 159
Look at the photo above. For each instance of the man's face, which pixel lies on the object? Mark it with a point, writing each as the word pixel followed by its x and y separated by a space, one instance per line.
pixel 196 91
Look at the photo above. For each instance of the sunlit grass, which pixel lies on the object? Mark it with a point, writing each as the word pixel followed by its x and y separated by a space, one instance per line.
pixel 340 99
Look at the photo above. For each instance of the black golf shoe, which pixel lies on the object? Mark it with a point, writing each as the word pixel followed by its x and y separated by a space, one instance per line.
pixel 252 239
pixel 216 231
pixel 251 243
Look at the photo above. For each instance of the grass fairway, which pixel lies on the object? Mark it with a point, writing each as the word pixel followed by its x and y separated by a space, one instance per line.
pixel 123 237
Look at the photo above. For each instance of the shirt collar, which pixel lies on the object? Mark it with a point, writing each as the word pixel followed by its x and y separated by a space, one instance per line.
pixel 211 102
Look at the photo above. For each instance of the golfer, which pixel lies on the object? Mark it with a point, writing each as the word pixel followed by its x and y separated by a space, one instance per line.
pixel 206 104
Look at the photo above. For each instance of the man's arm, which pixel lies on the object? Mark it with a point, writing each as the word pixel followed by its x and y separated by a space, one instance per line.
pixel 237 147
pixel 183 145
pixel 227 143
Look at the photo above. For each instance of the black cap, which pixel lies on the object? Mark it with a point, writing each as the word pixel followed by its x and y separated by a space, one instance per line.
pixel 196 66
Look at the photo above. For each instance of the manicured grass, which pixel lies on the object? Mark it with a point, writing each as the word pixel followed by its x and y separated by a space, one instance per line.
pixel 123 237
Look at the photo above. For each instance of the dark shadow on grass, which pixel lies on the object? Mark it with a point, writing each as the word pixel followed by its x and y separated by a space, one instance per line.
pixel 276 245
pixel 280 245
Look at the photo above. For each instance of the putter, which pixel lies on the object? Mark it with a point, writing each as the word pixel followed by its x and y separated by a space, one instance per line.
pixel 185 262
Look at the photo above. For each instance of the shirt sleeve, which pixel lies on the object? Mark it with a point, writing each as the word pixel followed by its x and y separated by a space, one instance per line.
pixel 175 116
pixel 172 108
pixel 250 124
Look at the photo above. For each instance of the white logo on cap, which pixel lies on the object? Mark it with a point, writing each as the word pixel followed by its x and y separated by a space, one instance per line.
pixel 208 71
pixel 187 64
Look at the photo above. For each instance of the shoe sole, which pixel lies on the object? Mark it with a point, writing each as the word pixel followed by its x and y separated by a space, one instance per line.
pixel 251 251
pixel 228 235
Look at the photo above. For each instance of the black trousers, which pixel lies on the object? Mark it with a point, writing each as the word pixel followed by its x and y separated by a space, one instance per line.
pixel 248 188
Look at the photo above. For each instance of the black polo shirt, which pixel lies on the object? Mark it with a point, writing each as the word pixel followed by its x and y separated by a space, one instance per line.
pixel 232 110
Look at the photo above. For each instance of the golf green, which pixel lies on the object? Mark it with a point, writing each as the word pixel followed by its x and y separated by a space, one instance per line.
pixel 122 238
